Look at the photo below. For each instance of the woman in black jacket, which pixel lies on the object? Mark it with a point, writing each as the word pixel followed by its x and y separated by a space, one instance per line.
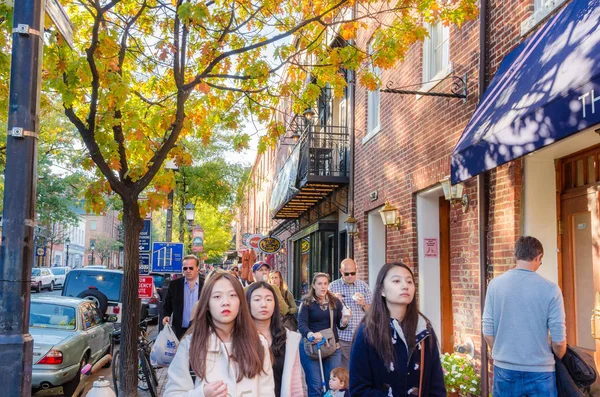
pixel 395 351
pixel 314 316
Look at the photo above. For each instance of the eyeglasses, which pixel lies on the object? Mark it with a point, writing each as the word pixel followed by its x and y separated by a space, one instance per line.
pixel 350 274
pixel 188 268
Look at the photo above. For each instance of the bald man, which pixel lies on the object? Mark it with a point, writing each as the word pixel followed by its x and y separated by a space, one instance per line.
pixel 356 295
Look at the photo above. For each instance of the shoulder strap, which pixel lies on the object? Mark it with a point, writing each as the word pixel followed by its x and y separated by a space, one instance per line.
pixel 421 367
pixel 331 317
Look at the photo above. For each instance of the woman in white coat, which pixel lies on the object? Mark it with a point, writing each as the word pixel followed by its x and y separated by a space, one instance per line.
pixel 284 343
pixel 223 348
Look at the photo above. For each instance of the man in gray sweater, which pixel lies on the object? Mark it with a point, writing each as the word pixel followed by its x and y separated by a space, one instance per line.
pixel 521 309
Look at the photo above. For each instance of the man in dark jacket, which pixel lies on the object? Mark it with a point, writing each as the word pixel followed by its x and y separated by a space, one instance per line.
pixel 182 294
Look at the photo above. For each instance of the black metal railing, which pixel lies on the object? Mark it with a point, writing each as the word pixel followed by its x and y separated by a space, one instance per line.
pixel 324 152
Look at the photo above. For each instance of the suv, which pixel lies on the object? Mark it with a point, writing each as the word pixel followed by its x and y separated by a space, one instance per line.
pixel 101 286
pixel 41 278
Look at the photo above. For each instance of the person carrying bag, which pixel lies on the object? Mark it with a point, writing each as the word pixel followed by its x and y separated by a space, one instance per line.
pixel 328 348
pixel 165 347
pixel 319 318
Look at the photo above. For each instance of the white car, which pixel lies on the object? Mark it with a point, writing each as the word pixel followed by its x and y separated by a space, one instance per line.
pixel 41 278
pixel 60 273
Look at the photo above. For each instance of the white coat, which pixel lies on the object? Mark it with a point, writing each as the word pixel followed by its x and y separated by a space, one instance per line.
pixel 291 379
pixel 218 367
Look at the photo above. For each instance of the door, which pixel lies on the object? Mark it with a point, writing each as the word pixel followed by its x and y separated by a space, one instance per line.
pixel 447 337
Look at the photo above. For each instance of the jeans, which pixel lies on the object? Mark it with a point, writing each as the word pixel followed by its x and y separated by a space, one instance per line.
pixel 508 383
pixel 345 347
pixel 312 370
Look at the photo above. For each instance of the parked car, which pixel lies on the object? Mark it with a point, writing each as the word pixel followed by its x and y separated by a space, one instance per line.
pixel 102 286
pixel 67 334
pixel 161 281
pixel 152 304
pixel 41 278
pixel 60 272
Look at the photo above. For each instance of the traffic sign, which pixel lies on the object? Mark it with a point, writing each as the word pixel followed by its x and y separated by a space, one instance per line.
pixel 167 257
pixel 145 287
pixel 146 236
pixel 144 263
pixel 61 20
pixel 40 251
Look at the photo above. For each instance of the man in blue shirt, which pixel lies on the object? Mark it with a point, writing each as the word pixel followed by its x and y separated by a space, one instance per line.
pixel 182 294
pixel 356 296
pixel 521 309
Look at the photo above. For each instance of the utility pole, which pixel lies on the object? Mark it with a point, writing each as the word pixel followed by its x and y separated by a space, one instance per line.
pixel 16 253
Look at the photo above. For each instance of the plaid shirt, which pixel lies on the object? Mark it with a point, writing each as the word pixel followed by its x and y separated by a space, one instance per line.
pixel 340 287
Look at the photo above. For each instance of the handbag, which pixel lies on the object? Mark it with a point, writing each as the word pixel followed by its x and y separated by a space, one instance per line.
pixel 328 348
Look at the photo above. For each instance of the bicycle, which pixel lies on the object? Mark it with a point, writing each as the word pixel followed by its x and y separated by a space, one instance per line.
pixel 147 380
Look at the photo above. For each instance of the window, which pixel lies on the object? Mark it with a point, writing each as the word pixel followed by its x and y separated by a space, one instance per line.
pixel 541 9
pixel 436 53
pixel 93 225
pixel 373 107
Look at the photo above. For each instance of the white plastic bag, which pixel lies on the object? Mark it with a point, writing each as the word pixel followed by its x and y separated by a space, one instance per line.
pixel 164 347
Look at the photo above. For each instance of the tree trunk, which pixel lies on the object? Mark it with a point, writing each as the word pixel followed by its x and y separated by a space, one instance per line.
pixel 128 365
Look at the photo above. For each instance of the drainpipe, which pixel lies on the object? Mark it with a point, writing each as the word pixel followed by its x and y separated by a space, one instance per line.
pixel 352 123
pixel 483 197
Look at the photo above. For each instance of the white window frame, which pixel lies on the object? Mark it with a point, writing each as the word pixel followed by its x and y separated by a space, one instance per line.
pixel 541 9
pixel 431 79
pixel 373 107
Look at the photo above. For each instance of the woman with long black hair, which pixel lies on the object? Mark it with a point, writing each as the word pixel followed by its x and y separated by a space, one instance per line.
pixel 223 348
pixel 264 309
pixel 395 351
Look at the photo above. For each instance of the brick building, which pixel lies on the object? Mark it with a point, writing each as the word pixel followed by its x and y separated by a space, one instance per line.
pixel 523 144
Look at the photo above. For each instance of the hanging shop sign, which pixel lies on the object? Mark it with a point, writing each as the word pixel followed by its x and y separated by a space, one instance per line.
pixel 198 240
pixel 245 238
pixel 254 240
pixel 305 246
pixel 269 245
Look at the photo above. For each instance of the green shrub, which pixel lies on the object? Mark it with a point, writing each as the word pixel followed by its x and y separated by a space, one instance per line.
pixel 459 375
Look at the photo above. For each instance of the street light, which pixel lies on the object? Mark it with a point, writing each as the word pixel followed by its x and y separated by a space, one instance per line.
pixel 93 247
pixel 454 193
pixel 67 242
pixel 389 215
pixel 351 225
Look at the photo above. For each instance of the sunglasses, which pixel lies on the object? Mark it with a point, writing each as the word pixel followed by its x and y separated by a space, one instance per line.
pixel 188 268
pixel 350 274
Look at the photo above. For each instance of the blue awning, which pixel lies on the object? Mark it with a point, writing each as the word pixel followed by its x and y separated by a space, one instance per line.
pixel 545 90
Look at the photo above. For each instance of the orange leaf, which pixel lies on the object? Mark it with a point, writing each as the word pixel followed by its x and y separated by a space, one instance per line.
pixel 203 87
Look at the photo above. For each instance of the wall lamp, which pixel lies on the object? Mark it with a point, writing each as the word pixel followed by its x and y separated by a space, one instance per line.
pixel 352 226
pixel 389 215
pixel 454 193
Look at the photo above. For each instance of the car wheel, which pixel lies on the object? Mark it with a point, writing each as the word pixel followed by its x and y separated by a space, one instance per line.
pixel 39 287
pixel 51 288
pixel 97 297
pixel 70 387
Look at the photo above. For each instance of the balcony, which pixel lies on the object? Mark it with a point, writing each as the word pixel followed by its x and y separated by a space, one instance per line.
pixel 318 165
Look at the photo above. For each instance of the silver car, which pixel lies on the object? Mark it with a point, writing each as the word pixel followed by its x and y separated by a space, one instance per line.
pixel 67 334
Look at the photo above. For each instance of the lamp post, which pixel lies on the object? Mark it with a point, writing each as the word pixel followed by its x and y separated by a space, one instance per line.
pixel 67 242
pixel 93 247
pixel 190 214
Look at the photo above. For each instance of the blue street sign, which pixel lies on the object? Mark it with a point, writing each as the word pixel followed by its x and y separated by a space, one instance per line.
pixel 144 263
pixel 167 257
pixel 146 236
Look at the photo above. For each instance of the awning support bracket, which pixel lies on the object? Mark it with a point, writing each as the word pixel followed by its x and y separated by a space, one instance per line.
pixel 457 90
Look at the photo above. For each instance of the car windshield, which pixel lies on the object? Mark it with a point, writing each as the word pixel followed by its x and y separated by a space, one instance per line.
pixel 107 283
pixel 50 315
pixel 58 271
pixel 159 279
pixel 35 272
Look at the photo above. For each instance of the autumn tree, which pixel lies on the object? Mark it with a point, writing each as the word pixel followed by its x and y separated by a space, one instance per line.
pixel 146 73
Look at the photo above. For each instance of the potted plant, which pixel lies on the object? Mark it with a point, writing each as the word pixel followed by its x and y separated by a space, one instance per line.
pixel 460 376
